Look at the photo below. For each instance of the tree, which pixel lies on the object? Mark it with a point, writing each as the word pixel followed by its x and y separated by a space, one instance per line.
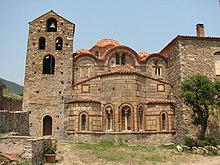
pixel 202 95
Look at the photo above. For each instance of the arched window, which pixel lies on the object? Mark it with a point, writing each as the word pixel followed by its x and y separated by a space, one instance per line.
pixel 42 43
pixel 83 122
pixel 164 121
pixel 120 59
pixel 47 125
pixel 109 118
pixel 51 25
pixel 217 63
pixel 59 43
pixel 126 118
pixel 140 118
pixel 157 68
pixel 48 64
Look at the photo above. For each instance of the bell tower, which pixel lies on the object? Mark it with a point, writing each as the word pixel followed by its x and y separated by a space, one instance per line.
pixel 48 73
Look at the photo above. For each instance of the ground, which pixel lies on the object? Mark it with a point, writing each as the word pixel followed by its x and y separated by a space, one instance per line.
pixel 82 154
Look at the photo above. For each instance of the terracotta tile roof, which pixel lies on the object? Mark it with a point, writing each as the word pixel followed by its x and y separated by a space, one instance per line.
pixel 105 42
pixel 160 101
pixel 86 100
pixel 143 55
pixel 122 69
pixel 83 51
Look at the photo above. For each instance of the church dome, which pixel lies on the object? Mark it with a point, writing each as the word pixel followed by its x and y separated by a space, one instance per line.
pixel 105 42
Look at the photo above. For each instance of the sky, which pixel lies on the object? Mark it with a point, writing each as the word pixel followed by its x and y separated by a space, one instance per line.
pixel 143 25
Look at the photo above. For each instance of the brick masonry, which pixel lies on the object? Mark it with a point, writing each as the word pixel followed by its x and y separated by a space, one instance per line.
pixel 109 89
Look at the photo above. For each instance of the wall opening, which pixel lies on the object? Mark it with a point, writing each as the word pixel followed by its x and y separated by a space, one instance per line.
pixel 47 125
pixel 48 64
pixel 51 25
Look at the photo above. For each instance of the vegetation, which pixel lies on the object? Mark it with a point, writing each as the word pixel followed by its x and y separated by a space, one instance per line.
pixel 49 147
pixel 202 95
pixel 110 151
pixel 11 86
pixel 209 141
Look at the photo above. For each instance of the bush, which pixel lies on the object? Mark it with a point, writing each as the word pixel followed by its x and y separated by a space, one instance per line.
pixel 190 142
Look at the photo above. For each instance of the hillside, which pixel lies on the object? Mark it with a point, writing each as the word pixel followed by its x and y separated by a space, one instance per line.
pixel 12 87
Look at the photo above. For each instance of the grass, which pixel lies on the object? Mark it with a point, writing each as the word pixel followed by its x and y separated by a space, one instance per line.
pixel 110 151
pixel 8 94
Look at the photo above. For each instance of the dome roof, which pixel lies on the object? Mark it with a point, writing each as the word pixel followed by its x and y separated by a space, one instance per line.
pixel 83 51
pixel 105 42
pixel 143 54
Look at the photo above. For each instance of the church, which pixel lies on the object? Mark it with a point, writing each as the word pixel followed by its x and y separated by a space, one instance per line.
pixel 110 90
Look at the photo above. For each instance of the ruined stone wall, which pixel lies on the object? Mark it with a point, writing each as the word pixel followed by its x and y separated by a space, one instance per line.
pixel 22 148
pixel 8 103
pixel 16 121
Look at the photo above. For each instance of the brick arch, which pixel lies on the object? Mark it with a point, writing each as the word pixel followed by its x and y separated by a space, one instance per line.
pixel 80 121
pixel 107 56
pixel 109 105
pixel 164 125
pixel 154 57
pixel 140 115
pixel 121 118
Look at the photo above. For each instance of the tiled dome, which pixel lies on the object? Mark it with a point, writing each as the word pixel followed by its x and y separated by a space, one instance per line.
pixel 105 42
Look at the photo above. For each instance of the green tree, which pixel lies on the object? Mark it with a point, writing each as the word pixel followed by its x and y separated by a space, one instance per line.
pixel 201 95
pixel 2 85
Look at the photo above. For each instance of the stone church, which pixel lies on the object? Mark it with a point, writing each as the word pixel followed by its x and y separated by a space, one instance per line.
pixel 110 90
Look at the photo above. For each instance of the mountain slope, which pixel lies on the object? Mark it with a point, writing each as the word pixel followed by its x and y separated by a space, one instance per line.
pixel 12 87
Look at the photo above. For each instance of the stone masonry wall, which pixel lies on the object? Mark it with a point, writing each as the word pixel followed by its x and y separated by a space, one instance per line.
pixel 188 56
pixel 14 122
pixel 8 103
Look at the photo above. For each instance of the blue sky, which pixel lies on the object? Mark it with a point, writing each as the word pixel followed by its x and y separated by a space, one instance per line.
pixel 144 25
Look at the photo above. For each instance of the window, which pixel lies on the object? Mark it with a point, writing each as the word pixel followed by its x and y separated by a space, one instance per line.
pixel 117 59
pixel 51 25
pixel 157 68
pixel 42 42
pixel 109 118
pixel 48 64
pixel 140 118
pixel 120 60
pixel 126 118
pixel 123 59
pixel 217 63
pixel 83 122
pixel 164 121
pixel 59 43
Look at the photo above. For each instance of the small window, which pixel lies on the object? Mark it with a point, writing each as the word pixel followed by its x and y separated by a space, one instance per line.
pixel 42 42
pixel 217 63
pixel 109 118
pixel 97 53
pixel 59 43
pixel 164 121
pixel 123 59
pixel 157 68
pixel 83 122
pixel 117 59
pixel 51 25
pixel 140 118
pixel 48 64
pixel 126 118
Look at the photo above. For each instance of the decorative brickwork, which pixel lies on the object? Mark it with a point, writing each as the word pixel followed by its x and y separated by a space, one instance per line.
pixel 109 89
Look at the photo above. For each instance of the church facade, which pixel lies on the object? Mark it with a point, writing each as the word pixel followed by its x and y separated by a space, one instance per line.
pixel 110 90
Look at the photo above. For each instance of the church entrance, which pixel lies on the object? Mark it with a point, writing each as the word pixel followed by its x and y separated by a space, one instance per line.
pixel 47 125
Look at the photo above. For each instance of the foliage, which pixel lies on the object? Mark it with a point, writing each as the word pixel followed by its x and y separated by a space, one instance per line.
pixel 24 163
pixel 49 147
pixel 2 85
pixel 210 141
pixel 202 96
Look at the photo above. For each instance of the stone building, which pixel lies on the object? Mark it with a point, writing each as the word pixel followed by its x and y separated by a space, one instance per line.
pixel 109 90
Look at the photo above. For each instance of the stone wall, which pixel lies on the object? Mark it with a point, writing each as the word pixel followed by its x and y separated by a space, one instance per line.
pixel 154 138
pixel 188 56
pixel 16 121
pixel 8 103
pixel 22 148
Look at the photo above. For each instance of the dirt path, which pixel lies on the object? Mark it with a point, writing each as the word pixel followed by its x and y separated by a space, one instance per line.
pixel 69 154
